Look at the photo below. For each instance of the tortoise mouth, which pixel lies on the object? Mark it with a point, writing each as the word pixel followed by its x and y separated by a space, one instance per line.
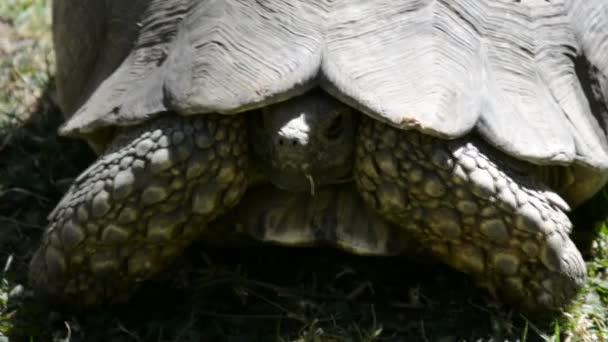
pixel 305 182
pixel 302 179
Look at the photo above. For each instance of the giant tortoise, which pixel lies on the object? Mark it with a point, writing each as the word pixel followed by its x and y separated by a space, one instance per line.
pixel 469 126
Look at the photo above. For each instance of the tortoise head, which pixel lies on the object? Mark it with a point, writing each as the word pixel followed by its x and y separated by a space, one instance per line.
pixel 305 142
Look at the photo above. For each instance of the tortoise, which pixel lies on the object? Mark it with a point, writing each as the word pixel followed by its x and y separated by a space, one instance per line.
pixel 469 126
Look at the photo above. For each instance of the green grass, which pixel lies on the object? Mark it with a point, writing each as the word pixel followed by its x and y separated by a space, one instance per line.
pixel 26 62
pixel 255 294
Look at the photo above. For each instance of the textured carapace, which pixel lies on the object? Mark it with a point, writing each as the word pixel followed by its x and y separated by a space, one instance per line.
pixel 443 67
pixel 503 68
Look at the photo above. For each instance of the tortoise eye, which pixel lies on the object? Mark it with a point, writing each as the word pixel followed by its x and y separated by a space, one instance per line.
pixel 336 127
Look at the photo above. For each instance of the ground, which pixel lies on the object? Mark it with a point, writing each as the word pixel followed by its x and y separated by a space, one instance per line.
pixel 260 293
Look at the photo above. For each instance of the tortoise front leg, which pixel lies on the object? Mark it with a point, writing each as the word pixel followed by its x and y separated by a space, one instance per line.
pixel 139 205
pixel 475 211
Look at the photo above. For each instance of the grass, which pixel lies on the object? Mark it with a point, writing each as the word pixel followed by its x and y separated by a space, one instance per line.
pixel 254 294
pixel 26 62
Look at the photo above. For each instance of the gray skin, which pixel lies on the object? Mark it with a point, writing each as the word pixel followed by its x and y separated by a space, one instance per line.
pixel 304 143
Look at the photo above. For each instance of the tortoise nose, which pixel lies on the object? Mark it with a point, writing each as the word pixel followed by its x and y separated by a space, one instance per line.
pixel 292 141
pixel 290 147
pixel 287 143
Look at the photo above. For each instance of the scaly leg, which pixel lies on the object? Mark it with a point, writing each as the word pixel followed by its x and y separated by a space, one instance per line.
pixel 476 210
pixel 139 205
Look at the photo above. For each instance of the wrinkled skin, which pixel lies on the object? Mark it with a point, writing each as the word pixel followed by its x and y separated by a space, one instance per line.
pixel 160 184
